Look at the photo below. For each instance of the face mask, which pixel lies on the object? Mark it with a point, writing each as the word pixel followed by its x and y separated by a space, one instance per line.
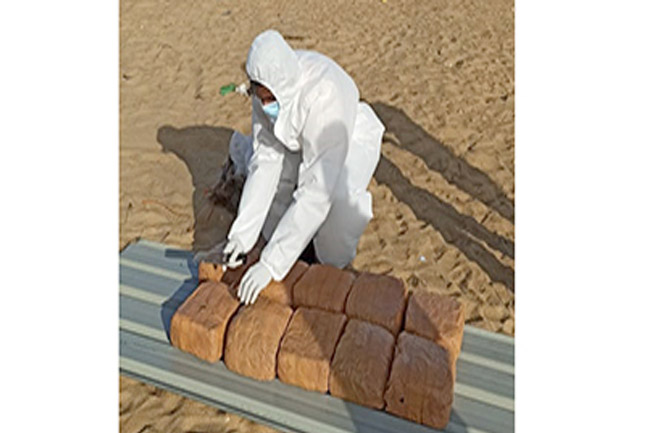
pixel 272 110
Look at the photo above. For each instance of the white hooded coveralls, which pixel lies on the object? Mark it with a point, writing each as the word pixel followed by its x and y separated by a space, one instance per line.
pixel 307 174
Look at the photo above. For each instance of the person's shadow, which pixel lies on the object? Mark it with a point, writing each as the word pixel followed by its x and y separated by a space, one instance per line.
pixel 203 149
pixel 458 229
pixel 440 158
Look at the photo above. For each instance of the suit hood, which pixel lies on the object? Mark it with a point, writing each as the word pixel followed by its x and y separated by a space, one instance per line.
pixel 274 64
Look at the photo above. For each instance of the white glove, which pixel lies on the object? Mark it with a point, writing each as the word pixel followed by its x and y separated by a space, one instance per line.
pixel 253 282
pixel 231 252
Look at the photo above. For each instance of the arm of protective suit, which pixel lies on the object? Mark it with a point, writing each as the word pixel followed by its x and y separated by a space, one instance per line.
pixel 325 147
pixel 261 183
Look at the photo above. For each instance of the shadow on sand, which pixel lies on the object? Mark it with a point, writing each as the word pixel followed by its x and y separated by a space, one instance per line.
pixel 440 158
pixel 203 149
pixel 460 230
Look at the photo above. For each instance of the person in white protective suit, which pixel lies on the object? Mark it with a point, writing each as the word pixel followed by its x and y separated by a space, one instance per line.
pixel 313 150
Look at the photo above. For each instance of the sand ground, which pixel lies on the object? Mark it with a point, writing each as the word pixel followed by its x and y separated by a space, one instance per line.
pixel 440 75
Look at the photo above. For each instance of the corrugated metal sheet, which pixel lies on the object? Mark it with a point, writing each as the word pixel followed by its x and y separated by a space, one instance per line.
pixel 155 279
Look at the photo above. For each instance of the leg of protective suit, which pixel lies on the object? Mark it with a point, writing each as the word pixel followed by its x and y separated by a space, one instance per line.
pixel 337 239
pixel 241 151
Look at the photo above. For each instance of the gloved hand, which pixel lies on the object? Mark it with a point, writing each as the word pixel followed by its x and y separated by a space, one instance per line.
pixel 253 282
pixel 231 252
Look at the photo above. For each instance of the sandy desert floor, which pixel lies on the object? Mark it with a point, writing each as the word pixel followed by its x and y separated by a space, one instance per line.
pixel 440 75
